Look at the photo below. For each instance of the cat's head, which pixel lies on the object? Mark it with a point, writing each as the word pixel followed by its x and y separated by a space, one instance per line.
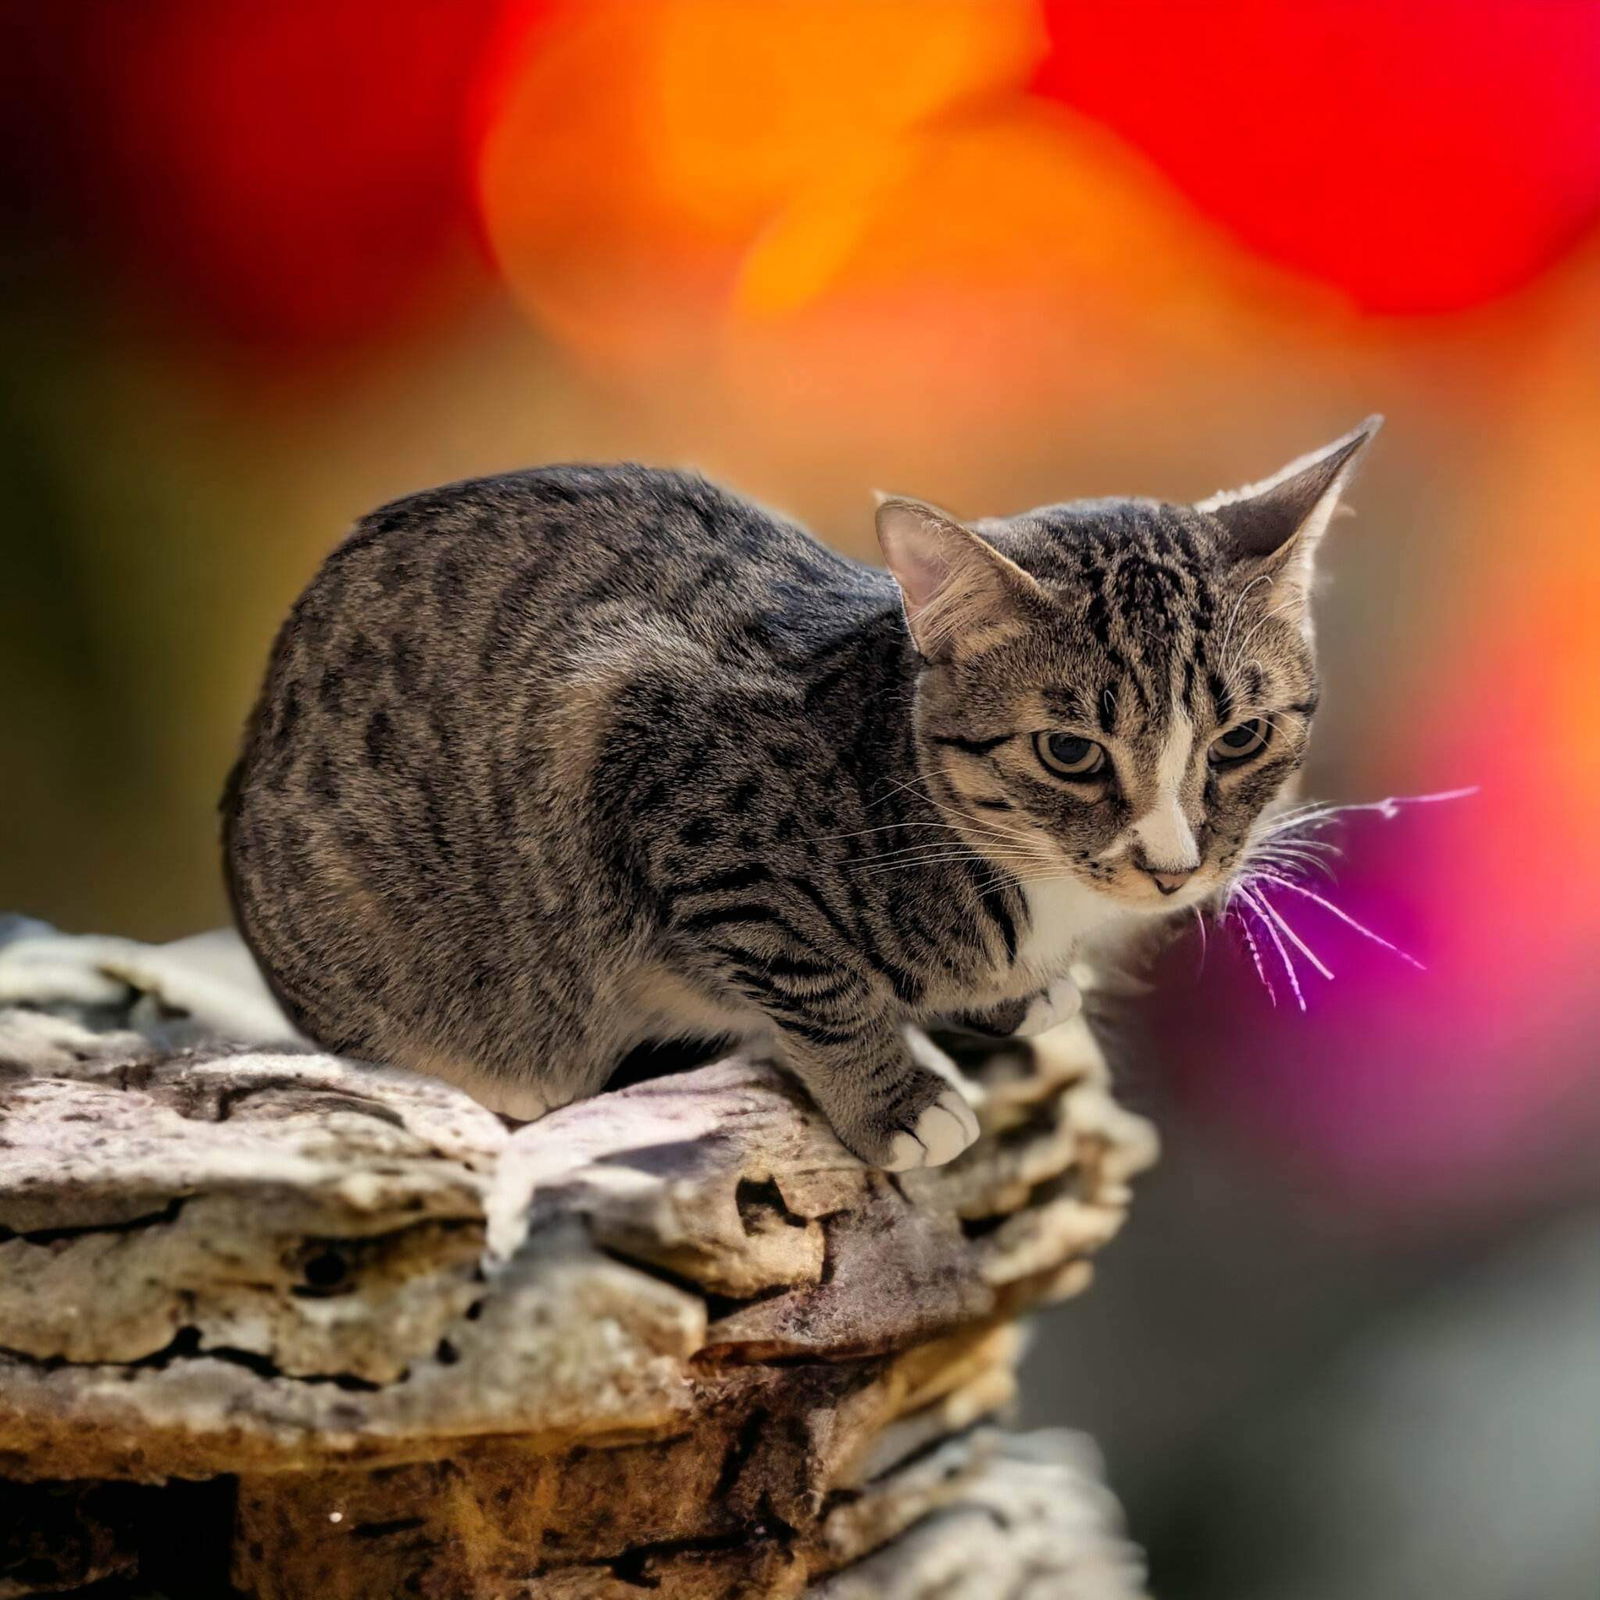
pixel 1116 690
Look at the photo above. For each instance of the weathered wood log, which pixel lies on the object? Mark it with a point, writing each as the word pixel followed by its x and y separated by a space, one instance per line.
pixel 335 1330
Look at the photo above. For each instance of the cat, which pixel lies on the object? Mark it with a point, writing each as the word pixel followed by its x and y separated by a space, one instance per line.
pixel 551 765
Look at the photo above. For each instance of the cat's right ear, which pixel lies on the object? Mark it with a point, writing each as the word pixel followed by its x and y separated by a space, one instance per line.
pixel 960 594
pixel 1275 526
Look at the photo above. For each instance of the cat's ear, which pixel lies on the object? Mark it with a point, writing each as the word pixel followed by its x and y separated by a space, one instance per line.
pixel 1274 526
pixel 960 593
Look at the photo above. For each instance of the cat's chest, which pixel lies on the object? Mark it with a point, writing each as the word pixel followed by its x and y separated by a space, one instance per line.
pixel 1063 916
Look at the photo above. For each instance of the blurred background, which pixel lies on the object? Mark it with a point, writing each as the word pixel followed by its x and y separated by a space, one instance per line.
pixel 272 262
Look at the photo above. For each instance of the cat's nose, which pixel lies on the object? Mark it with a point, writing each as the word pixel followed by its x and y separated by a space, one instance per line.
pixel 1169 882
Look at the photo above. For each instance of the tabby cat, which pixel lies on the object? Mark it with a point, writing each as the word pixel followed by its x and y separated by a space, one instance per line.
pixel 551 765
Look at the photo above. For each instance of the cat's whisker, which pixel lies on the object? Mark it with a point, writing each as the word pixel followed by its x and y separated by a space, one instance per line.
pixel 1343 915
pixel 1289 834
pixel 1012 877
pixel 1290 848
pixel 1311 817
pixel 1299 810
pixel 943 849
pixel 1289 830
pixel 944 831
pixel 1289 860
pixel 890 793
pixel 1011 857
pixel 1317 815
pixel 1390 807
pixel 996 846
pixel 932 856
pixel 1283 953
pixel 1263 866
pixel 1291 935
pixel 1001 830
pixel 1023 846
pixel 1310 843
pixel 877 868
pixel 1255 956
pixel 1004 842
pixel 993 829
pixel 964 825
pixel 882 827
pixel 872 869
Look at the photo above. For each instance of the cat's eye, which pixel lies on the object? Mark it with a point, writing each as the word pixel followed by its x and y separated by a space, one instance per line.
pixel 1070 756
pixel 1240 743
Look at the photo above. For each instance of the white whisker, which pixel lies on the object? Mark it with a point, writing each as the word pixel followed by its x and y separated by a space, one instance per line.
pixel 1344 916
pixel 1255 956
pixel 1293 855
pixel 1285 846
pixel 1315 815
pixel 885 827
pixel 1293 937
pixel 1278 944
pixel 1200 923
pixel 910 851
pixel 877 868
pixel 1287 861
pixel 999 845
pixel 889 793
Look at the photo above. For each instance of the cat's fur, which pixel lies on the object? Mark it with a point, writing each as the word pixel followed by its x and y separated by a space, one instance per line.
pixel 553 764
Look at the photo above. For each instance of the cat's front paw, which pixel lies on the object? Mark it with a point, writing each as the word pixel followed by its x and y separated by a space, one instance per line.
pixel 941 1132
pixel 1059 1003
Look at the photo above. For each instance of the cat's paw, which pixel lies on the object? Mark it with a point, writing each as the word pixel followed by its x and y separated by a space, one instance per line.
pixel 1059 1003
pixel 942 1131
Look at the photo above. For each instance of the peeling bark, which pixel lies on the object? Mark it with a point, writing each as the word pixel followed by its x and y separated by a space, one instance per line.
pixel 671 1338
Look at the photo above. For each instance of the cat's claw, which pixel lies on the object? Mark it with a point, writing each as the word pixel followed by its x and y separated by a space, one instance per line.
pixel 942 1132
pixel 1059 1003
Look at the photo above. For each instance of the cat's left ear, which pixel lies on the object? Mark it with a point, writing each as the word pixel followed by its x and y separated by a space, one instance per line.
pixel 960 594
pixel 1274 526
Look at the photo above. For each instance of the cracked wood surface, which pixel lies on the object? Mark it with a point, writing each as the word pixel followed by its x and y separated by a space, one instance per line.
pixel 671 1337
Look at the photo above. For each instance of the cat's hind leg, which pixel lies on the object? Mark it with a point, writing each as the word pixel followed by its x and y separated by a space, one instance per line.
pixel 511 1094
pixel 523 1069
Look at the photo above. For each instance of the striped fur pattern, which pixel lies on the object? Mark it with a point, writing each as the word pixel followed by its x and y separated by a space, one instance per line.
pixel 551 766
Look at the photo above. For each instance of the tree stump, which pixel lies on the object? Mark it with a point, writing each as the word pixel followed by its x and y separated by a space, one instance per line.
pixel 311 1328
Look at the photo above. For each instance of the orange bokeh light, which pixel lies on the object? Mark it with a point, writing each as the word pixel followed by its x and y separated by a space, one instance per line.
pixel 708 132
pixel 828 207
